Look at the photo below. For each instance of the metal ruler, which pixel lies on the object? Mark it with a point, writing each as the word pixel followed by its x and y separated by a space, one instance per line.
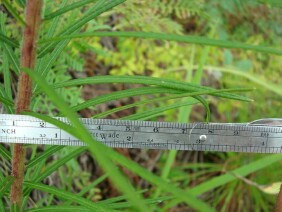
pixel 261 136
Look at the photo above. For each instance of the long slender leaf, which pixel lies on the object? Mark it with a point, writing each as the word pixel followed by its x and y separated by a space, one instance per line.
pixel 60 208
pixel 5 65
pixel 230 176
pixel 102 153
pixel 161 99
pixel 66 195
pixel 89 187
pixel 252 77
pixel 67 8
pixel 166 83
pixel 158 110
pixel 6 101
pixel 14 12
pixel 123 94
pixel 120 205
pixel 43 156
pixel 99 8
pixel 8 41
pixel 5 153
pixel 9 105
pixel 5 185
pixel 45 64
pixel 171 37
pixel 13 59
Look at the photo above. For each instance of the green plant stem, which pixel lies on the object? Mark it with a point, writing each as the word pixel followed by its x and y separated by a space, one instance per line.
pixel 28 55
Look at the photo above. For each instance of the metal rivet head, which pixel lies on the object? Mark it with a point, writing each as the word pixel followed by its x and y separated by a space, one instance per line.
pixel 203 137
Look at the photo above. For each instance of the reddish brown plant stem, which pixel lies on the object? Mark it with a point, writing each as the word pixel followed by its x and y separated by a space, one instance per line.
pixel 28 56
pixel 278 207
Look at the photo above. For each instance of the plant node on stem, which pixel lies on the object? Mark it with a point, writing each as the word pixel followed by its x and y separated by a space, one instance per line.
pixel 28 56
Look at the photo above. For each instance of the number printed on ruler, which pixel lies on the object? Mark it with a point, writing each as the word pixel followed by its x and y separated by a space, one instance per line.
pixel 223 137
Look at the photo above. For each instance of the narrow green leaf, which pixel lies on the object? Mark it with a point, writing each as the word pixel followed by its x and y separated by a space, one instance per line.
pixel 66 195
pixel 230 176
pixel 2 207
pixel 123 94
pixel 241 171
pixel 185 196
pixel 252 77
pixel 53 167
pixel 171 37
pixel 158 110
pixel 273 3
pixel 103 153
pixel 5 185
pixel 5 64
pixel 98 149
pixel 14 12
pixel 13 60
pixel 89 187
pixel 100 7
pixel 14 208
pixel 124 205
pixel 5 153
pixel 206 106
pixel 8 41
pixel 7 76
pixel 60 208
pixel 166 83
pixel 47 153
pixel 161 99
pixel 10 105
pixel 45 63
pixel 6 101
pixel 67 8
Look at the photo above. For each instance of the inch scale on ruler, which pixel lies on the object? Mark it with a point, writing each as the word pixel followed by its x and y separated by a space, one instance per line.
pixel 261 136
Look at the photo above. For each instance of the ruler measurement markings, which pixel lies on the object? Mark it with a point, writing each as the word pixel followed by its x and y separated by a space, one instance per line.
pixel 216 133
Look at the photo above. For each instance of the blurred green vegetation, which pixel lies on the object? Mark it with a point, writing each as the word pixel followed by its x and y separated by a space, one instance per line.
pixel 251 22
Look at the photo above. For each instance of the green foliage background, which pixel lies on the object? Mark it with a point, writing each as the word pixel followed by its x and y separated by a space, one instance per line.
pixel 224 181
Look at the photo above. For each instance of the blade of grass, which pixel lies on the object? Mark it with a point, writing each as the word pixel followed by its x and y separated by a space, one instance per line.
pixel 5 153
pixel 5 185
pixel 171 37
pixel 47 153
pixel 102 153
pixel 127 205
pixel 60 208
pixel 13 59
pixel 145 114
pixel 62 161
pixel 159 99
pixel 14 12
pixel 53 167
pixel 99 8
pixel 9 106
pixel 6 40
pixel 230 176
pixel 47 62
pixel 6 101
pixel 252 77
pixel 5 65
pixel 166 83
pixel 89 187
pixel 66 195
pixel 67 8
pixel 122 94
